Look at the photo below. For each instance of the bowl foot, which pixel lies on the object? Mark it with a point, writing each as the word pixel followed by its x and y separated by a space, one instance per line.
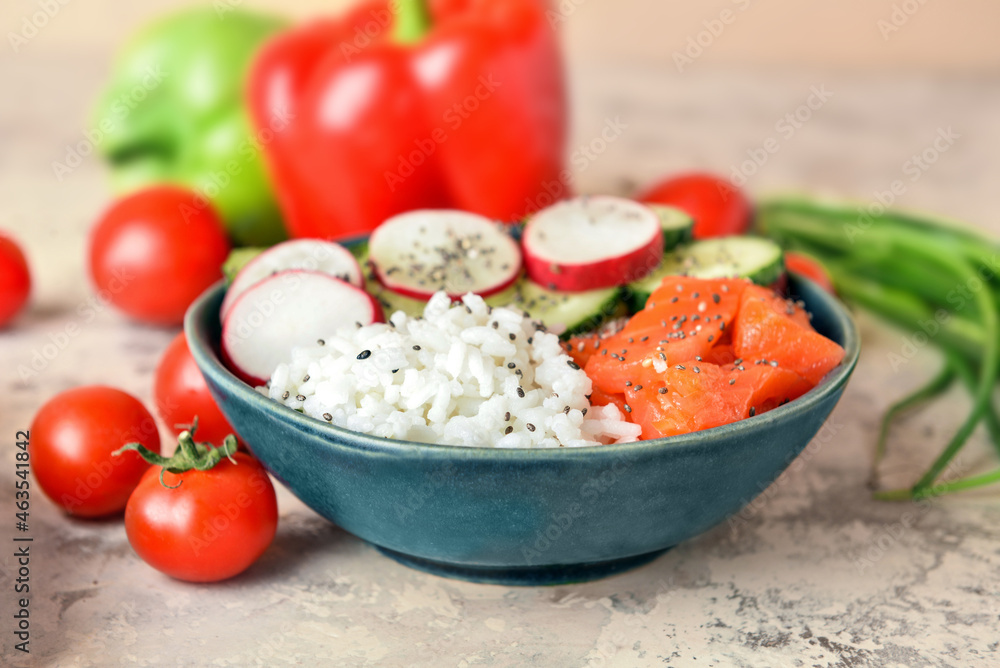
pixel 527 576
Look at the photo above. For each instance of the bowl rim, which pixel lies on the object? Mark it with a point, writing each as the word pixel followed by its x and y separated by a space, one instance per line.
pixel 210 364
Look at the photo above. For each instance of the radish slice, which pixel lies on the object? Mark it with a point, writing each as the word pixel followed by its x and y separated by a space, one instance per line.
pixel 589 243
pixel 416 254
pixel 289 309
pixel 308 254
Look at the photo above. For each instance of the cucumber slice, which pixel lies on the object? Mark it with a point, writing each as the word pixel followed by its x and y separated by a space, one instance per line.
pixel 359 249
pixel 677 225
pixel 392 301
pixel 758 259
pixel 237 259
pixel 576 311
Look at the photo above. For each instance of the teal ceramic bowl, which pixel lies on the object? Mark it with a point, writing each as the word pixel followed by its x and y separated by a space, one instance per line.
pixel 524 516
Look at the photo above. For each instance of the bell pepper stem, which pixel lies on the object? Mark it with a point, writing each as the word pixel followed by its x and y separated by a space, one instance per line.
pixel 413 20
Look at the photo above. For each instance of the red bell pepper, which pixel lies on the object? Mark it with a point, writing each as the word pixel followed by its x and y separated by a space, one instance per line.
pixel 398 105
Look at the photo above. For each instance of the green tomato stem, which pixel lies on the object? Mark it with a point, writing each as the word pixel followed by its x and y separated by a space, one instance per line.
pixel 413 21
pixel 188 455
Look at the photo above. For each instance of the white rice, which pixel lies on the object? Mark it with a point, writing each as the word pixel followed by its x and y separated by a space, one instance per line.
pixel 451 377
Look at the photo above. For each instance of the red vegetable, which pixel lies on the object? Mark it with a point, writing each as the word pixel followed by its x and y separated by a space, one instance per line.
pixel 589 243
pixel 182 395
pixel 811 268
pixel 72 440
pixel 462 107
pixel 288 310
pixel 418 253
pixel 718 207
pixel 201 525
pixel 15 279
pixel 155 251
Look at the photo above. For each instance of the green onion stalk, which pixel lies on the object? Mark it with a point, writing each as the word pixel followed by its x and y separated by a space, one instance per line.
pixel 912 270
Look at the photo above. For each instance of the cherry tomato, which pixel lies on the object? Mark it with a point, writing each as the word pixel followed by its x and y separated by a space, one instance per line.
pixel 71 441
pixel 15 279
pixel 207 525
pixel 809 267
pixel 718 207
pixel 181 394
pixel 154 252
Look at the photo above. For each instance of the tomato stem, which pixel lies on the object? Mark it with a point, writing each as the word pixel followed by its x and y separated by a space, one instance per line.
pixel 413 20
pixel 188 455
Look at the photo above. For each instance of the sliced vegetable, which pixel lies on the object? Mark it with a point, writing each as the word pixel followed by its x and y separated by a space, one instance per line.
pixel 590 243
pixel 418 253
pixel 325 257
pixel 755 258
pixel 565 313
pixel 237 259
pixel 677 225
pixel 393 301
pixel 290 309
pixel 382 119
pixel 718 207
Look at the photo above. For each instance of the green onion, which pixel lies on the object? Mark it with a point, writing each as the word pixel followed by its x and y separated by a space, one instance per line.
pixel 916 272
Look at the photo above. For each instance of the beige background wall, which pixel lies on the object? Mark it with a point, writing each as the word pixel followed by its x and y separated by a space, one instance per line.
pixel 936 34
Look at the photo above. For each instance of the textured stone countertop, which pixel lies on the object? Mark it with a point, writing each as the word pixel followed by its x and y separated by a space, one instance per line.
pixel 813 573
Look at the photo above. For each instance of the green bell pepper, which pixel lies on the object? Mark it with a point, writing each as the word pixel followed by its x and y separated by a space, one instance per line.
pixel 176 112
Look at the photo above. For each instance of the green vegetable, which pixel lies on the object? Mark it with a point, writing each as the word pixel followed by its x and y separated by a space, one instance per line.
pixel 174 112
pixel 578 311
pixel 929 276
pixel 760 260
pixel 677 225
pixel 238 258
